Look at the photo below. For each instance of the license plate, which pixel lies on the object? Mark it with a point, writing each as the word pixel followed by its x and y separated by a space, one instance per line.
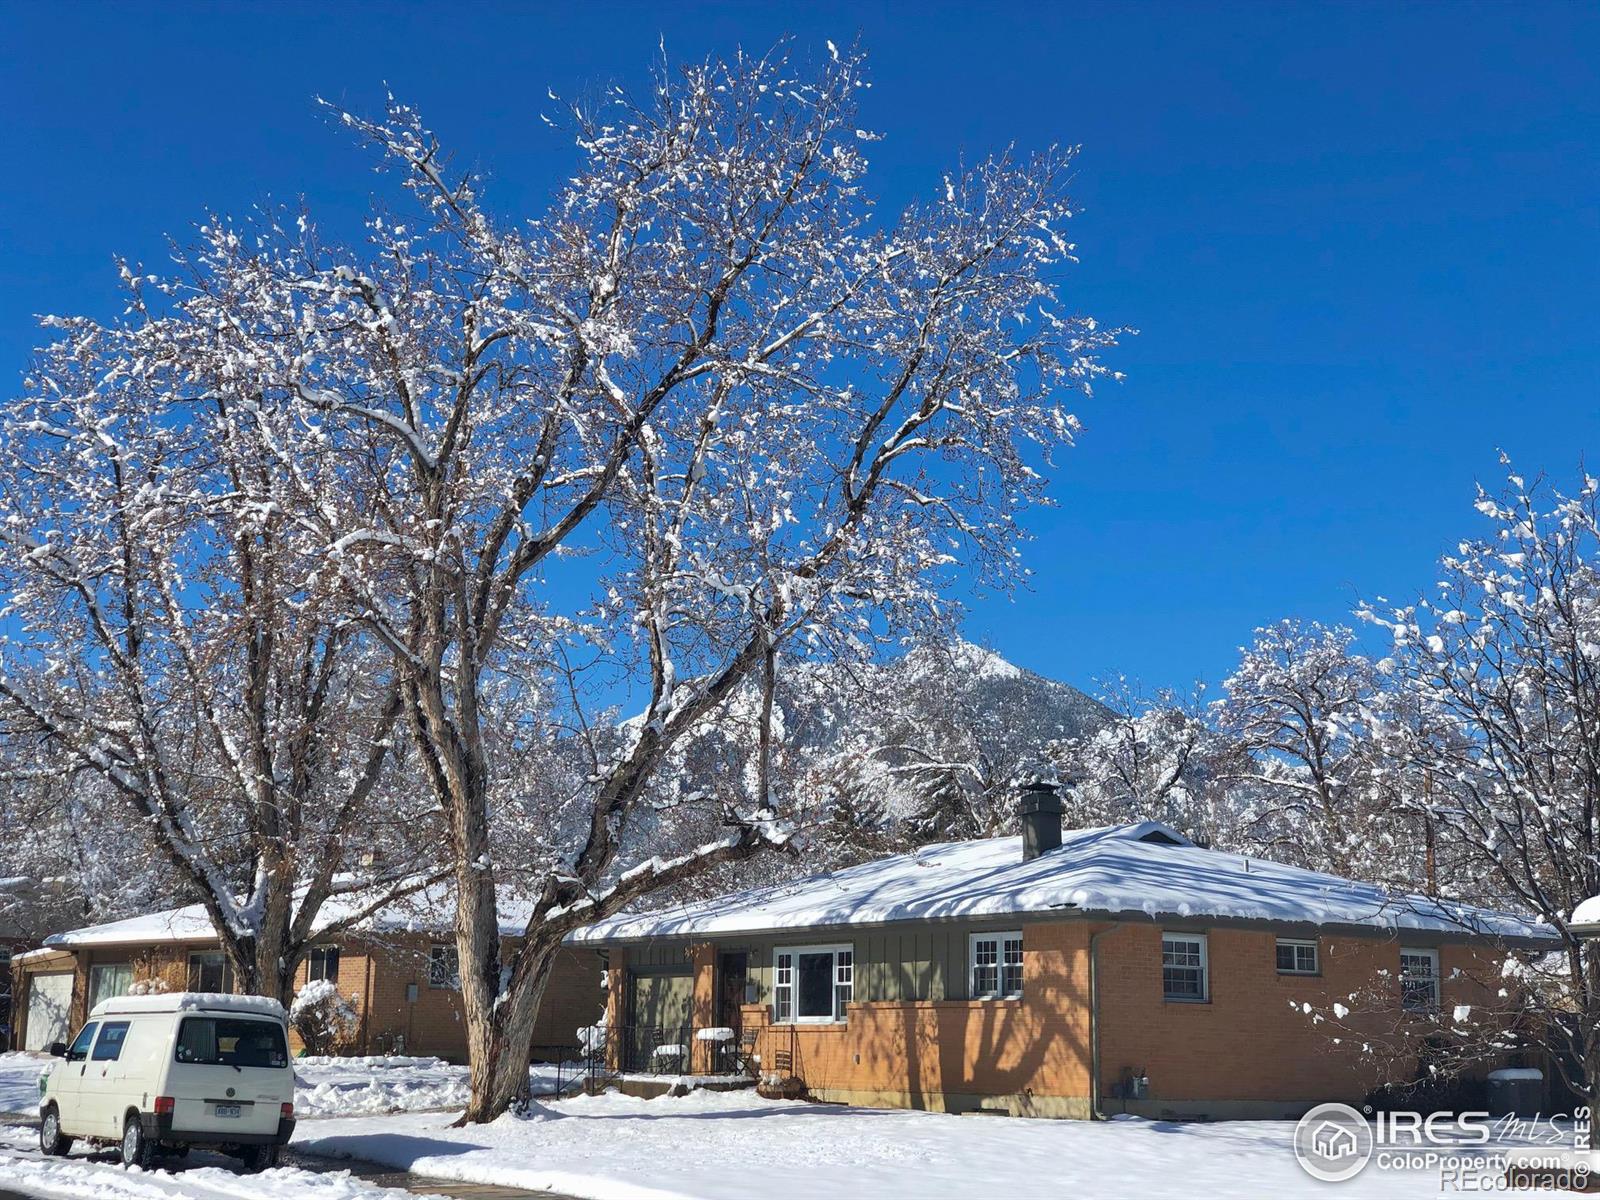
pixel 227 1110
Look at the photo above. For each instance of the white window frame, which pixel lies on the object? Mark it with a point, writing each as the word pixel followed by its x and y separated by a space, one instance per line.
pixel 999 939
pixel 453 984
pixel 791 989
pixel 1299 944
pixel 1185 935
pixel 1432 955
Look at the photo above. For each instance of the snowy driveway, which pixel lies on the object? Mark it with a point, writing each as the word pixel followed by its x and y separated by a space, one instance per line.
pixel 210 1177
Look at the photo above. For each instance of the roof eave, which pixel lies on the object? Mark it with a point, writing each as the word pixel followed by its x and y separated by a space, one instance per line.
pixel 1072 913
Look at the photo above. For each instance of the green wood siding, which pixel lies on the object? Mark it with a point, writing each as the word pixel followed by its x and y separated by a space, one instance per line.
pixel 897 964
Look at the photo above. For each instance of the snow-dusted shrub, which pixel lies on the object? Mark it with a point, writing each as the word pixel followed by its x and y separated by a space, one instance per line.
pixel 324 1019
pixel 592 1038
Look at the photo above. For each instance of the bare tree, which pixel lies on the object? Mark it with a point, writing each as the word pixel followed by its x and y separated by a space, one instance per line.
pixel 711 414
pixel 710 392
pixel 1301 706
pixel 172 647
pixel 1503 667
pixel 1157 758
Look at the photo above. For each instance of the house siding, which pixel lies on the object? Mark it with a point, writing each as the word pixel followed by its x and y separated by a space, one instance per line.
pixel 374 976
pixel 912 1038
pixel 1251 1051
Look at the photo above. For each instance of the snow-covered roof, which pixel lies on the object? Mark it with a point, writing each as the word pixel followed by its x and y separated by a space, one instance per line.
pixel 163 1002
pixel 431 910
pixel 30 955
pixel 189 924
pixel 1144 870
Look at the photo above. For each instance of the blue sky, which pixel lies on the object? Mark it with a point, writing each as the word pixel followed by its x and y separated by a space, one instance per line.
pixel 1361 242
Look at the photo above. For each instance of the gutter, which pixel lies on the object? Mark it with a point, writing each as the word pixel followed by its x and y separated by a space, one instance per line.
pixel 1421 936
pixel 1094 1020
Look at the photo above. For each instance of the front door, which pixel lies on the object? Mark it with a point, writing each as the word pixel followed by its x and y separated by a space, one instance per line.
pixel 102 1079
pixel 733 976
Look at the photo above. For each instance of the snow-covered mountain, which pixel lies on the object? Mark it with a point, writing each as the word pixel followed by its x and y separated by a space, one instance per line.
pixel 1013 712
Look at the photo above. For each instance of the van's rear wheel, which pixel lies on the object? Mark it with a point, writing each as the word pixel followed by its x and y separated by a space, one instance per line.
pixel 51 1139
pixel 259 1158
pixel 137 1150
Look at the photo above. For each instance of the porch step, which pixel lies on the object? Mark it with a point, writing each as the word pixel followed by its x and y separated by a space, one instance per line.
pixel 648 1087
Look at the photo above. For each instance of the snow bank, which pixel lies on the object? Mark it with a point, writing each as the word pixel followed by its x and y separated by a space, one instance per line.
pixel 329 1086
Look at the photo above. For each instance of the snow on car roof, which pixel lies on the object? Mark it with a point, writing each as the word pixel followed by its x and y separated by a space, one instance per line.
pixel 165 1002
pixel 1145 870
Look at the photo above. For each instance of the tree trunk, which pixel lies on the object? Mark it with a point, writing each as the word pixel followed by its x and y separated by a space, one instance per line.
pixel 507 1042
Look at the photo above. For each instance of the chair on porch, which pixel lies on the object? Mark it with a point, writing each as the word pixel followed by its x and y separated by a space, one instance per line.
pixel 667 1058
pixel 741 1056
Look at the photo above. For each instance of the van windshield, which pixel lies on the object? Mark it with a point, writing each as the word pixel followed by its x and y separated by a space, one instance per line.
pixel 226 1042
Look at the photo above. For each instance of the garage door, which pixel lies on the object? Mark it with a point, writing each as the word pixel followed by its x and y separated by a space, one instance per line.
pixel 659 1007
pixel 49 1002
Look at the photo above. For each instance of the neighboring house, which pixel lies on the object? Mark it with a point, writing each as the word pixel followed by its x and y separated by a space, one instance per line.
pixel 1117 969
pixel 398 970
pixel 29 910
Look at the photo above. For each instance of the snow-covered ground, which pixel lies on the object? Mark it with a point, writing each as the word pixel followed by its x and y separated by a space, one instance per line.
pixel 344 1086
pixel 19 1082
pixel 325 1086
pixel 708 1146
pixel 101 1177
pixel 711 1146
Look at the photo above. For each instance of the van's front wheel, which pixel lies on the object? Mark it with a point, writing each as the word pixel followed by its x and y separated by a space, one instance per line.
pixel 137 1150
pixel 51 1139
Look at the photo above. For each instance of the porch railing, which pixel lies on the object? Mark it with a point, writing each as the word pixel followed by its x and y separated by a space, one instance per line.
pixel 671 1050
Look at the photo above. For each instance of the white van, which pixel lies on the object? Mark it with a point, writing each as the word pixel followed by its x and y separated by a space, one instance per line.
pixel 165 1072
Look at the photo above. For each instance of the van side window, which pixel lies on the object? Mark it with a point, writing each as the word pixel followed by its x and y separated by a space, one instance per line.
pixel 112 1035
pixel 79 1050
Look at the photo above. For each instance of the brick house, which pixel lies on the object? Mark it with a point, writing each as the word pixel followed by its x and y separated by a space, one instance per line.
pixel 29 910
pixel 1113 970
pixel 398 971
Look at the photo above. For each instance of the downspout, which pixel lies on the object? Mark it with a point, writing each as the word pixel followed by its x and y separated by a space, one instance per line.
pixel 1094 1020
pixel 366 1000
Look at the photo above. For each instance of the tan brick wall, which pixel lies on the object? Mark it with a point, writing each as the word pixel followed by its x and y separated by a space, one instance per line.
pixel 1250 1050
pixel 374 977
pixel 434 1024
pixel 1026 1056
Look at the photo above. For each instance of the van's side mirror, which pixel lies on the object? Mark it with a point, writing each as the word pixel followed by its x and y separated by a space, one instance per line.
pixel 58 1049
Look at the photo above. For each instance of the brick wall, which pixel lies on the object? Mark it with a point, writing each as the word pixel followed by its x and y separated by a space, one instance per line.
pixel 374 977
pixel 1027 1056
pixel 1250 1050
